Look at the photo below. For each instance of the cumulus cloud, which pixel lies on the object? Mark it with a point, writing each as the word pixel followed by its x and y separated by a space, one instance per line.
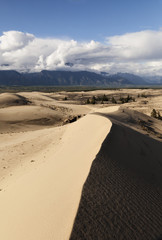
pixel 13 40
pixel 139 52
pixel 139 45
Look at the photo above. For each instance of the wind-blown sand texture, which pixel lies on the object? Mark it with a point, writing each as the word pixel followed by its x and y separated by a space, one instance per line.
pixel 122 197
pixel 42 202
pixel 47 182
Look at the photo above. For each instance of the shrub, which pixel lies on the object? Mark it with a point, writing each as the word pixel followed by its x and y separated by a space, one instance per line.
pixel 143 95
pixel 113 100
pixel 127 99
pixel 88 102
pixel 105 98
pixel 93 100
pixel 156 114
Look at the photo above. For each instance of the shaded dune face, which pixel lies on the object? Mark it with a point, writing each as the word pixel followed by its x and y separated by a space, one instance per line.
pixel 122 197
pixel 12 99
pixel 137 121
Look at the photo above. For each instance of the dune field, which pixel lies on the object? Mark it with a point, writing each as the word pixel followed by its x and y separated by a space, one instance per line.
pixel 79 165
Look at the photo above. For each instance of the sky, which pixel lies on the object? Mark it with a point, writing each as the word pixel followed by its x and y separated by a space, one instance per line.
pixel 99 35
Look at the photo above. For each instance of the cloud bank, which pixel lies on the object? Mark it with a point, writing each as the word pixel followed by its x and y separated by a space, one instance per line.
pixel 139 53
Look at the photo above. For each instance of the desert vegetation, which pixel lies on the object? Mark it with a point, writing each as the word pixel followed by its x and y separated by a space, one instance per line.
pixel 156 114
pixel 107 99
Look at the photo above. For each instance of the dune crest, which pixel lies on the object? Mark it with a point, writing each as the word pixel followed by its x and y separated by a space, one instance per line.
pixel 122 197
pixel 42 203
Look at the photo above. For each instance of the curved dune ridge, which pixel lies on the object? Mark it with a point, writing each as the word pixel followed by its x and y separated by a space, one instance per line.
pixel 41 202
pixel 27 111
pixel 122 196
pixel 12 99
pixel 18 113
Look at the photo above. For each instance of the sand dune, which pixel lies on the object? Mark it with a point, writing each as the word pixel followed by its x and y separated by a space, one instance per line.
pixel 12 99
pixel 138 121
pixel 25 118
pixel 41 202
pixel 34 110
pixel 44 164
pixel 122 197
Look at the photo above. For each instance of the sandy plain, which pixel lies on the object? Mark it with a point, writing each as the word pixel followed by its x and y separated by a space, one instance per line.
pixel 59 155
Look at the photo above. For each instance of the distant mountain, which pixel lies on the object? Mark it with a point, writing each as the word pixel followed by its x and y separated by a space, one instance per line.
pixel 64 78
pixel 104 73
pixel 10 77
pixel 154 80
pixel 68 78
pixel 133 79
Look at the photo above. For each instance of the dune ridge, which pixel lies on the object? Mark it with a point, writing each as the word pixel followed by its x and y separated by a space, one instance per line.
pixel 122 196
pixel 42 202
pixel 44 163
pixel 12 99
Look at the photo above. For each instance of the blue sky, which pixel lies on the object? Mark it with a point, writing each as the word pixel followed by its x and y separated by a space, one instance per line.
pixel 80 19
pixel 95 35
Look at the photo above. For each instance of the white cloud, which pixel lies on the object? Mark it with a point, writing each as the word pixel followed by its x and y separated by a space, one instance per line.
pixel 139 52
pixel 139 45
pixel 13 40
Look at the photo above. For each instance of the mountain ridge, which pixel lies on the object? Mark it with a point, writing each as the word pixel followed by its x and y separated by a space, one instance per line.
pixel 68 78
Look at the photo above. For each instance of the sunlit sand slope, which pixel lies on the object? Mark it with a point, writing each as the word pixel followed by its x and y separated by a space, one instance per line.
pixel 41 202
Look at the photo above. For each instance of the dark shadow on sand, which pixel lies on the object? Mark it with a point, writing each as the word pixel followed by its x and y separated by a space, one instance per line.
pixel 122 196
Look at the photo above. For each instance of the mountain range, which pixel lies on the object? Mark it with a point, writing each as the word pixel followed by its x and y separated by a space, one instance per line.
pixel 70 78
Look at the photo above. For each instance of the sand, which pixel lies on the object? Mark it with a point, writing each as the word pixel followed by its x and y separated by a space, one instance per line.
pixel 41 202
pixel 34 110
pixel 122 197
pixel 96 178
